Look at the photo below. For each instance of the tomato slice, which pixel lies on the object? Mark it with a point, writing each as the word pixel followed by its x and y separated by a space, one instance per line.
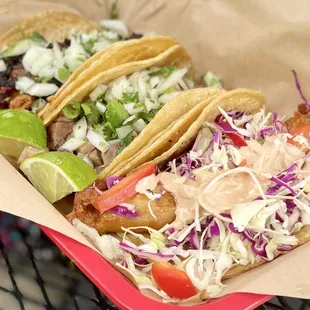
pixel 302 130
pixel 236 139
pixel 124 189
pixel 173 281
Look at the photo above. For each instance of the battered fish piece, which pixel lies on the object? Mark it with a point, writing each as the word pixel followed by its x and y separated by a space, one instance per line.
pixel 108 222
pixel 301 117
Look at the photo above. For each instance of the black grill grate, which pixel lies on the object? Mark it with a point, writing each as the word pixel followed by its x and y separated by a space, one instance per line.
pixel 35 275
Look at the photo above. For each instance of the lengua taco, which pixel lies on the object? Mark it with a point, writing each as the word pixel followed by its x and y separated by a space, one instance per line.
pixel 229 195
pixel 40 54
pixel 117 113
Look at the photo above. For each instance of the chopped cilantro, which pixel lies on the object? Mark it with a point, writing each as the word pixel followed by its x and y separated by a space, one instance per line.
pixel 125 142
pixel 88 46
pixel 36 37
pixel 113 11
pixel 91 112
pixel 131 97
pixel 63 74
pixel 165 71
pixel 261 141
pixel 80 58
pixel 147 116
pixel 116 113
pixel 109 132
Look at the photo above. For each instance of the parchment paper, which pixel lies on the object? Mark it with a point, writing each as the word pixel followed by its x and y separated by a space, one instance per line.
pixel 247 43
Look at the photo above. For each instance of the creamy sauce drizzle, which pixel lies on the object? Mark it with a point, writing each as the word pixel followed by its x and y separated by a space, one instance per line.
pixel 272 157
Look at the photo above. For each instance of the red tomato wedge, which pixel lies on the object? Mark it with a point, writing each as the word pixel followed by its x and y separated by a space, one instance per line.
pixel 124 189
pixel 302 130
pixel 236 139
pixel 173 281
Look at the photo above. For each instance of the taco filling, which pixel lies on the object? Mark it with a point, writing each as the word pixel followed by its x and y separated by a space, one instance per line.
pixel 33 69
pixel 237 198
pixel 101 127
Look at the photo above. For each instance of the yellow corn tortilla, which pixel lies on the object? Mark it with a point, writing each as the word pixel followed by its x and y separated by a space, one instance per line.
pixel 110 57
pixel 52 25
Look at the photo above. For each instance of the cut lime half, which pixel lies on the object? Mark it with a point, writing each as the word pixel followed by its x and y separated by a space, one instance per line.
pixel 18 129
pixel 58 174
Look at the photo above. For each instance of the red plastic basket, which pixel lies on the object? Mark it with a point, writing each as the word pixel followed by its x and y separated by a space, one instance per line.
pixel 122 293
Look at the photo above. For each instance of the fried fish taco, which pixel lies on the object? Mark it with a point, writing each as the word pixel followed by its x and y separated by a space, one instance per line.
pixel 40 54
pixel 230 194
pixel 118 112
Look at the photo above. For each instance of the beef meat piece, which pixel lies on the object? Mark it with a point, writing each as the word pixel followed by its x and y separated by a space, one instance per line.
pixel 5 93
pixel 110 154
pixel 85 149
pixel 62 45
pixel 134 36
pixel 110 222
pixel 301 117
pixel 8 79
pixel 58 132
pixel 22 102
pixel 95 157
pixel 18 71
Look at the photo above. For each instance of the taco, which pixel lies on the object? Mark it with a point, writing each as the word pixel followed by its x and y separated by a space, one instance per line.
pixel 40 54
pixel 229 195
pixel 119 112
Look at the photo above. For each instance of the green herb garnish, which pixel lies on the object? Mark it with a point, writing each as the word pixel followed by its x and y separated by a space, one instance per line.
pixel 91 112
pixel 36 37
pixel 131 97
pixel 113 10
pixel 116 113
pixel 88 46
pixel 125 142
pixel 165 71
pixel 109 132
pixel 63 74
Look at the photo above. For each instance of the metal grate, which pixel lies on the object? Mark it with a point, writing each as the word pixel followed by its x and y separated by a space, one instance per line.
pixel 35 275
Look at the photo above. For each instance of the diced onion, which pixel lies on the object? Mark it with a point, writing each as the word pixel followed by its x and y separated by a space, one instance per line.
pixel 149 105
pixel 3 66
pixel 171 80
pixel 42 89
pixel 98 46
pixel 23 83
pixel 129 119
pixel 167 97
pixel 101 107
pixel 72 144
pixel 19 48
pixel 122 132
pixel 129 107
pixel 116 25
pixel 154 81
pixel 97 141
pixel 154 94
pixel 44 58
pixel 80 129
pixel 139 125
pixel 98 91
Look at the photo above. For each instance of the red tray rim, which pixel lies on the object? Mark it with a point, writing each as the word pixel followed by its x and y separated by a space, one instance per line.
pixel 122 293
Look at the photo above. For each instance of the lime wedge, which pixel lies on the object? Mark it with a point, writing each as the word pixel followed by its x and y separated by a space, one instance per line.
pixel 18 129
pixel 58 174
